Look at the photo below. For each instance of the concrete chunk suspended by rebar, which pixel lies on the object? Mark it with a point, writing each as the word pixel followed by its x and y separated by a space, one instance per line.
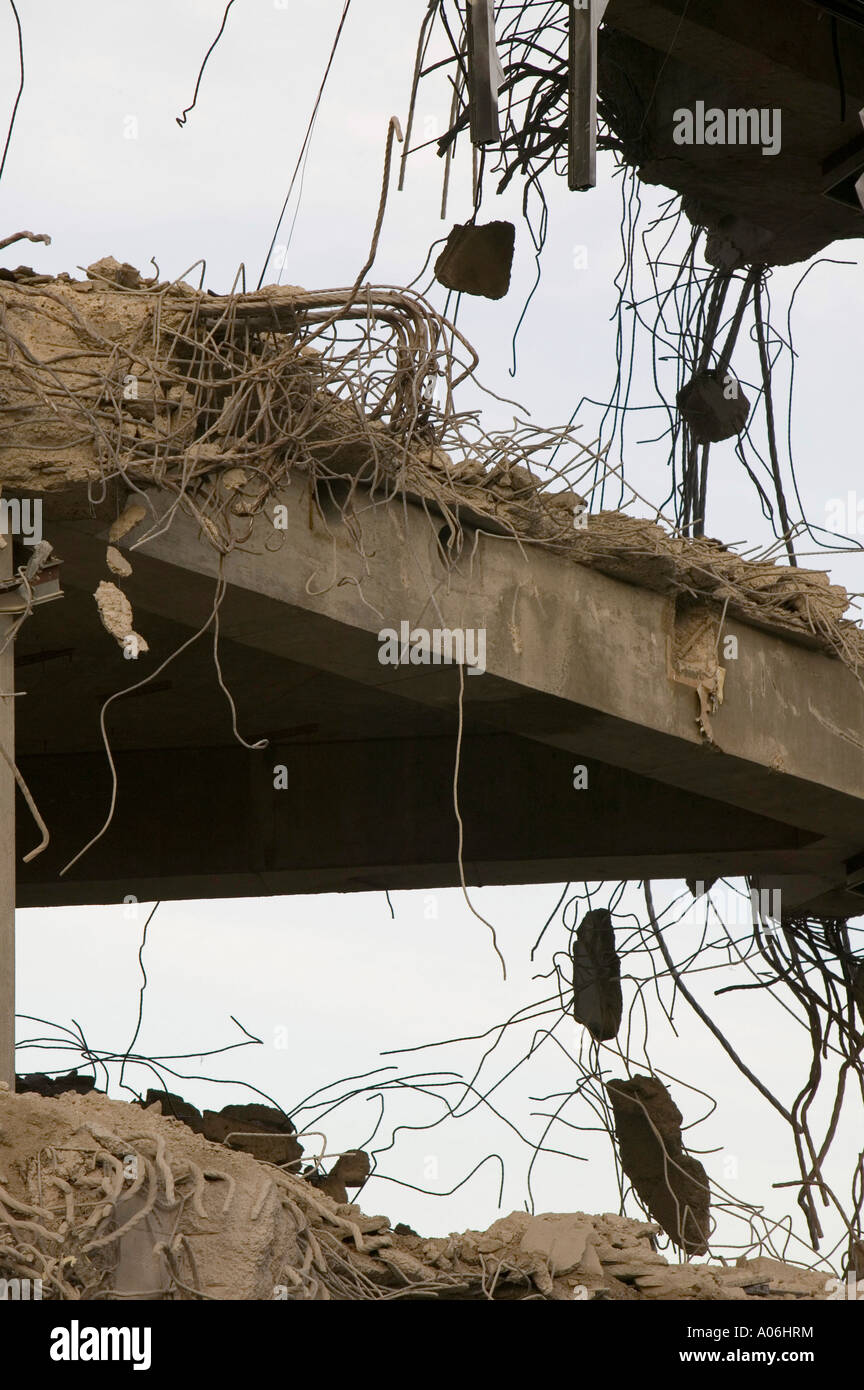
pixel 670 1182
pixel 478 260
pixel 597 976
pixel 714 407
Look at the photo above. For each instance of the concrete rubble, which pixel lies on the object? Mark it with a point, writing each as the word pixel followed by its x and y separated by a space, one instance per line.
pixel 102 1198
pixel 90 391
pixel 672 1184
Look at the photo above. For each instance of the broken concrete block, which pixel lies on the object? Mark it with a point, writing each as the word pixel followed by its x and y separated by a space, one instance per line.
pixel 116 273
pixel 42 1085
pixel 233 478
pixel 560 1241
pixel 672 1184
pixel 260 1130
pixel 597 998
pixel 256 1116
pixel 326 1182
pixel 131 515
pixel 478 260
pixel 713 407
pixel 115 610
pixel 117 562
pixel 176 1108
pixel 352 1169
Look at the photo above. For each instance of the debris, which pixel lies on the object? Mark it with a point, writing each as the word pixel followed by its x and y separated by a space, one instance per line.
pixel 233 478
pixel 257 1232
pixel 327 1182
pixel 597 998
pixel 117 562
pixel 478 260
pixel 24 236
pixel 115 610
pixel 39 558
pixel 699 887
pixel 51 446
pixel 260 1130
pixel 129 518
pixel 672 1184
pixel 116 273
pixel 352 1168
pixel 694 662
pixel 714 407
pixel 42 1085
pixel 176 1108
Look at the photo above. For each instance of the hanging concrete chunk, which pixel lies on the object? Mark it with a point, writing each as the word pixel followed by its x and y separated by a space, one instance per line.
pixel 117 562
pixel 478 260
pixel 133 513
pixel 672 1184
pixel 597 976
pixel 713 406
pixel 115 610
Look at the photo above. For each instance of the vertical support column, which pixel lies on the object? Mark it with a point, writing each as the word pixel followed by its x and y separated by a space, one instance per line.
pixel 585 19
pixel 7 837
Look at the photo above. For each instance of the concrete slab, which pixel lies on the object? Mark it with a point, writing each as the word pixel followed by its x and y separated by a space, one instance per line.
pixel 578 675
pixel 659 56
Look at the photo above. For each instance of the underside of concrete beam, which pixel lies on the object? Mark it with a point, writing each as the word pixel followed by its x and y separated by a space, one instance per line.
pixel 660 57
pixel 578 677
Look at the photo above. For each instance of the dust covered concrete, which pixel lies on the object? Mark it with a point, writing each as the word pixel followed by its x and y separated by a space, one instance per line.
pixel 104 1199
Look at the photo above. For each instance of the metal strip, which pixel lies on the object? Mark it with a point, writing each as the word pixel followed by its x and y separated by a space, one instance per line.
pixel 485 74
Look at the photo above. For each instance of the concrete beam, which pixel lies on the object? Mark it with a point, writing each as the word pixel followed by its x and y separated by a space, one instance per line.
pixel 574 658
pixel 576 661
pixel 781 47
pixel 771 56
pixel 376 814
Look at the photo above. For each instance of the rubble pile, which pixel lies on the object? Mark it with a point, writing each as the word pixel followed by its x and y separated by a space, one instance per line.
pixel 104 1199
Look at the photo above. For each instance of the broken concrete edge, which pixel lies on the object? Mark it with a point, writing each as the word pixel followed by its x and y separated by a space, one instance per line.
pixel 262 1130
pixel 192 1218
pixel 121 311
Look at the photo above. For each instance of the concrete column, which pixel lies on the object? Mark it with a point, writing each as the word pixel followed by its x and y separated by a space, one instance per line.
pixel 585 18
pixel 7 840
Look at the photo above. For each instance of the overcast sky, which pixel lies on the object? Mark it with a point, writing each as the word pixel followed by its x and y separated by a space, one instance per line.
pixel 98 161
